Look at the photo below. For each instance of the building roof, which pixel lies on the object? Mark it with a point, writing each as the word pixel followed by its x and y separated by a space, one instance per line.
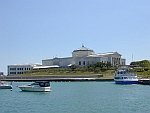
pixel 94 55
pixel 83 48
pixel 45 67
pixel 25 65
pixel 109 53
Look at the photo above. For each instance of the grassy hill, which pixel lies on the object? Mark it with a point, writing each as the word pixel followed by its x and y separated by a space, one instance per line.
pixel 89 70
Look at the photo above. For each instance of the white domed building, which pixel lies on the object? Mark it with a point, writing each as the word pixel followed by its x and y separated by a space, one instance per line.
pixel 85 56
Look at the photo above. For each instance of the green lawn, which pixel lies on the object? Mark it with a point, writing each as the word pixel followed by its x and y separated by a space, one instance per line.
pixel 60 72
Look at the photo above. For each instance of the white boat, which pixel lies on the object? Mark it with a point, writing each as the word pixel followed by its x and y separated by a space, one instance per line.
pixel 38 86
pixel 4 85
pixel 125 75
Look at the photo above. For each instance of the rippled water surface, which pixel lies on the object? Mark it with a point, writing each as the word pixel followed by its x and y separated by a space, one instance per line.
pixel 78 97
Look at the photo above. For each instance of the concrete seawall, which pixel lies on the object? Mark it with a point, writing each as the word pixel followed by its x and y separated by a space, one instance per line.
pixel 68 78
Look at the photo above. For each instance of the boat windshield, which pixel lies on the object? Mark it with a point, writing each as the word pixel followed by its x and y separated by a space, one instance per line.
pixel 44 84
pixel 121 72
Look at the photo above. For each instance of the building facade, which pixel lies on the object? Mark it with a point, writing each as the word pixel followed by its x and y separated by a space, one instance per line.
pixel 18 69
pixel 84 57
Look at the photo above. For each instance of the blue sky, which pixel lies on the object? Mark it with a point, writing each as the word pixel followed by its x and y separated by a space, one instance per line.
pixel 32 30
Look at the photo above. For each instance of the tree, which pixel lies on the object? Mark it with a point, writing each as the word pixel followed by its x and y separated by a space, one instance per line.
pixel 73 67
pixel 143 63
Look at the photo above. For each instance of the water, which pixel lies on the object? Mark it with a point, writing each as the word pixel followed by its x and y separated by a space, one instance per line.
pixel 78 97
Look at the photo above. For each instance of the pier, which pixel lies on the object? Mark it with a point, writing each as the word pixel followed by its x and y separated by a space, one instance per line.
pixel 144 81
pixel 68 78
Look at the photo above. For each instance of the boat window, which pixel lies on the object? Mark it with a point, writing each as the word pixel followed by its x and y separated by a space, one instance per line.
pixel 47 84
pixel 125 78
pixel 44 84
pixel 116 77
pixel 120 77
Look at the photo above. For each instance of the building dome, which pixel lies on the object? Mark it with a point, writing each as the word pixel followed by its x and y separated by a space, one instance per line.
pixel 82 52
pixel 83 48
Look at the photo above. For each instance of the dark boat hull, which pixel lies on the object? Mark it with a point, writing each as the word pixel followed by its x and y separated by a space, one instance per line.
pixel 144 81
pixel 5 87
pixel 126 82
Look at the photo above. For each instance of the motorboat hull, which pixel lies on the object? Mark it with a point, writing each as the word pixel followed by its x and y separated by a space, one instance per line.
pixel 127 82
pixel 35 89
pixel 5 87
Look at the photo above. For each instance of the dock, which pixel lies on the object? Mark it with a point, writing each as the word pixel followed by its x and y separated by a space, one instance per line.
pixel 144 81
pixel 70 78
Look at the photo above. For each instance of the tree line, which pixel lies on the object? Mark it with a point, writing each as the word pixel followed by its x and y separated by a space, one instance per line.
pixel 143 65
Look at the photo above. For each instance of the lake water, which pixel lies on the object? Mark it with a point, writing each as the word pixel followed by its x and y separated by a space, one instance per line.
pixel 78 97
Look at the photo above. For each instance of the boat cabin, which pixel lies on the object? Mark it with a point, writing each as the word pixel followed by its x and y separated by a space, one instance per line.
pixel 41 83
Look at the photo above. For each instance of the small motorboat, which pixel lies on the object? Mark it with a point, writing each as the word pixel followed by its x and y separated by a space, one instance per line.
pixel 4 85
pixel 38 86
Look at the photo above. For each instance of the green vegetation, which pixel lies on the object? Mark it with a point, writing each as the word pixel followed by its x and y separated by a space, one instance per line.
pixel 142 68
pixel 100 68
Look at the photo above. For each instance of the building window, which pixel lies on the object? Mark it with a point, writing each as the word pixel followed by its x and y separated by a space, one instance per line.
pixel 84 63
pixel 13 73
pixel 12 68
pixel 79 62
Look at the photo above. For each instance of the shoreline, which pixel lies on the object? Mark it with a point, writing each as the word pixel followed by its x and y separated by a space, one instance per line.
pixel 55 78
pixel 70 78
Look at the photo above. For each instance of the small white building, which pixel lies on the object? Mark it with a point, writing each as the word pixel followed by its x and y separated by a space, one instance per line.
pixel 18 69
pixel 85 56
pixel 22 69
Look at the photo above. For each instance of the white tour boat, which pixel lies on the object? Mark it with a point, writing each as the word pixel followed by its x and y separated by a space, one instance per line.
pixel 125 75
pixel 38 86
